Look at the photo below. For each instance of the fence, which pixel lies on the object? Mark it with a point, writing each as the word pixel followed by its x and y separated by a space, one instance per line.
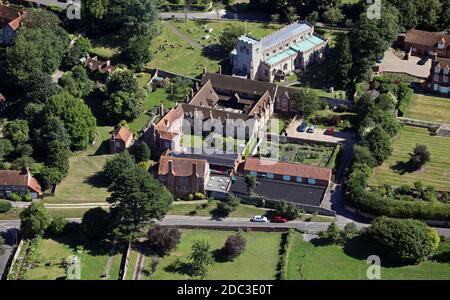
pixel 14 259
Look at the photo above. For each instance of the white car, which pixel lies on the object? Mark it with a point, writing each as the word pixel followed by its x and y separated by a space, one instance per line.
pixel 311 129
pixel 259 219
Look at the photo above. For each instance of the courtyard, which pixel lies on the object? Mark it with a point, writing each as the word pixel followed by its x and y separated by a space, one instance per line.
pixel 393 64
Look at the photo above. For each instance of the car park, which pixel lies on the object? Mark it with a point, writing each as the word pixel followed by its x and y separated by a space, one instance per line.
pixel 311 129
pixel 329 131
pixel 302 127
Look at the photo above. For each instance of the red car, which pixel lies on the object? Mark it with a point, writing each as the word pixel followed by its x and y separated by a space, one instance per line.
pixel 278 219
pixel 329 131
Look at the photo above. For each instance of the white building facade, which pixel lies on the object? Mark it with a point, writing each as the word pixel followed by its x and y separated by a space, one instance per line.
pixel 278 54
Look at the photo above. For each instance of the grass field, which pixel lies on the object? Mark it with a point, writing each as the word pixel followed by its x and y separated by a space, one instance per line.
pixel 428 108
pixel 51 252
pixel 84 182
pixel 333 263
pixel 206 209
pixel 436 172
pixel 258 262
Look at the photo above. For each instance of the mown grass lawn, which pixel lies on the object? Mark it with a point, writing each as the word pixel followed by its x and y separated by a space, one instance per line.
pixel 52 251
pixel 84 182
pixel 428 108
pixel 310 262
pixel 435 173
pixel 258 262
pixel 206 209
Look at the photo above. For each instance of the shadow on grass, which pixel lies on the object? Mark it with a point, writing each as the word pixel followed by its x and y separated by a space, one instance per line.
pixel 179 267
pixel 91 247
pixel 220 256
pixel 442 257
pixel 97 180
pixel 214 51
pixel 402 167
pixel 103 149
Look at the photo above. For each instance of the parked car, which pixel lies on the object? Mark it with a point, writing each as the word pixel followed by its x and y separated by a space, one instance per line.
pixel 302 127
pixel 329 131
pixel 279 219
pixel 311 129
pixel 258 219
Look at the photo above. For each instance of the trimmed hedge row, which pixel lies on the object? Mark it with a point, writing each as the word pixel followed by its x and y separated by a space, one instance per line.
pixel 285 249
pixel 332 161
pixel 5 206
pixel 175 7
pixel 405 96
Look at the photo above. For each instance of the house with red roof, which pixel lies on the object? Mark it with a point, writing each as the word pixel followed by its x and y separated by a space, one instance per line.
pixel 19 182
pixel 10 20
pixel 183 176
pixel 121 139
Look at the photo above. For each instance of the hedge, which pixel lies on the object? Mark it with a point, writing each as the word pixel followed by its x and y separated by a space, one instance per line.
pixel 5 206
pixel 370 202
pixel 285 249
pixel 176 7
pixel 332 161
pixel 405 95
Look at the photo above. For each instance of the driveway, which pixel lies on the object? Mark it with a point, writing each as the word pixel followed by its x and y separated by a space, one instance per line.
pixel 318 136
pixel 392 63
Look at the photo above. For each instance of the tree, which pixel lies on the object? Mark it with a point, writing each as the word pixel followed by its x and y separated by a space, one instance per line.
pixel 362 155
pixel 123 105
pixel 141 152
pixel 250 181
pixel 5 206
pixel 405 240
pixel 77 82
pixel 286 210
pixel 51 130
pixel 379 143
pixel 115 166
pixel 229 36
pixel 76 116
pixel 58 225
pixel 201 258
pixel 275 18
pixel 333 15
pixel 344 61
pixel 225 207
pixel 217 7
pixel 137 52
pixel 179 88
pixel 49 177
pixel 163 239
pixel 34 220
pixel 75 53
pixel 58 157
pixel 234 246
pixel 39 88
pixel 306 101
pixel 419 157
pixel 96 223
pixel 122 81
pixel 350 230
pixel 136 199
pixel 17 132
pixel 332 235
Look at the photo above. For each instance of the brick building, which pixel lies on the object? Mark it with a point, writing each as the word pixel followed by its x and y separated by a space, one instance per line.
pixel 19 182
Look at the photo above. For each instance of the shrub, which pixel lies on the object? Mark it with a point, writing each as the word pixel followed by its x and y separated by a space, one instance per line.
pixel 15 197
pixel 405 240
pixel 58 225
pixel 163 239
pixel 95 223
pixel 419 157
pixel 332 235
pixel 190 197
pixel 234 246
pixel 404 95
pixel 201 257
pixel 5 206
pixel 224 208
pixel 199 196
pixel 34 220
pixel 287 210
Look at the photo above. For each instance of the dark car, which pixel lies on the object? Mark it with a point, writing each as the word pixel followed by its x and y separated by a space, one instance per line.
pixel 302 127
pixel 279 219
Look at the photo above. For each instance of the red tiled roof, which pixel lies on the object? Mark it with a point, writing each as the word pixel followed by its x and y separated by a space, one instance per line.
pixel 122 133
pixel 19 178
pixel 426 38
pixel 182 166
pixel 286 168
pixel 442 62
pixel 11 16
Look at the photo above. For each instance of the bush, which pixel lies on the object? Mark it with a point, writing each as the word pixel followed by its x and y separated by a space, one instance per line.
pixel 404 95
pixel 95 223
pixel 163 239
pixel 5 206
pixel 287 210
pixel 234 246
pixel 58 225
pixel 15 197
pixel 190 197
pixel 224 208
pixel 34 220
pixel 405 240
pixel 199 196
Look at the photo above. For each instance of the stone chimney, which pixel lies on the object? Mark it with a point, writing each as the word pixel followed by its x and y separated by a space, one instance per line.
pixel 108 63
pixel 220 69
pixel 170 167
pixel 187 99
pixel 197 86
pixel 161 110
pixel 191 93
pixel 204 71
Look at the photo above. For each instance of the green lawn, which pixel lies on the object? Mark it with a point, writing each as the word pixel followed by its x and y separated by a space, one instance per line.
pixel 436 172
pixel 206 209
pixel 84 183
pixel 132 263
pixel 333 263
pixel 327 113
pixel 258 262
pixel 51 252
pixel 428 108
pixel 13 214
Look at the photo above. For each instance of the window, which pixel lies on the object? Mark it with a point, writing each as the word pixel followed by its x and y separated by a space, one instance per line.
pixel 162 178
pixel 286 178
pixel 445 78
pixel 183 180
pixel 285 67
pixel 299 179
pixel 436 77
pixel 270 175
pixel 253 173
pixel 311 181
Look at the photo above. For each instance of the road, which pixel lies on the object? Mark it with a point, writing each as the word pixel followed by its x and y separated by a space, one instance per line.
pixel 309 227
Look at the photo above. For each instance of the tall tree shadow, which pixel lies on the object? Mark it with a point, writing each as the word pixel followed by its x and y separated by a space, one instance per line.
pixel 179 267
pixel 97 180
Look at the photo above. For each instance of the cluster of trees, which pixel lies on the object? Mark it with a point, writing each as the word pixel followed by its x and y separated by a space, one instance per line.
pixel 227 206
pixel 124 98
pixel 134 21
pixel 35 220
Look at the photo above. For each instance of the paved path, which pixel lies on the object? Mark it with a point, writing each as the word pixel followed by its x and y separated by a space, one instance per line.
pixel 183 37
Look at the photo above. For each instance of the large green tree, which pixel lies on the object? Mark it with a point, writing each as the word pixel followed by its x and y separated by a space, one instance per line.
pixel 137 199
pixel 229 36
pixel 379 143
pixel 34 220
pixel 123 106
pixel 77 82
pixel 306 101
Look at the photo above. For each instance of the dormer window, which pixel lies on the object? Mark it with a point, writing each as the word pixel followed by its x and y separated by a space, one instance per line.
pixel 446 70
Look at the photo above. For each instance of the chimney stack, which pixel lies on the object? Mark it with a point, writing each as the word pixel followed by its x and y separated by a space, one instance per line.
pixel 192 93
pixel 220 69
pixel 161 110
pixel 187 99
pixel 196 86
pixel 204 71
pixel 170 166
pixel 194 169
